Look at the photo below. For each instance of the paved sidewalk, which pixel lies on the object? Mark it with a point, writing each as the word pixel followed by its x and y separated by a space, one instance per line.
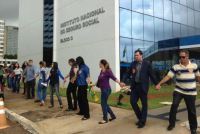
pixel 59 121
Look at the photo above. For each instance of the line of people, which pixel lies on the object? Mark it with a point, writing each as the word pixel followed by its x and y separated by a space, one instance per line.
pixel 141 71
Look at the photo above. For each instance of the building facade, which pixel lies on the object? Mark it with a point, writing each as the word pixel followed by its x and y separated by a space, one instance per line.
pixel 2 27
pixel 11 40
pixel 111 30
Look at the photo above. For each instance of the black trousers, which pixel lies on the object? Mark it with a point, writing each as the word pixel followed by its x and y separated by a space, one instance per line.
pixel 1 79
pixel 136 94
pixel 83 101
pixel 190 103
pixel 71 89
pixel 31 85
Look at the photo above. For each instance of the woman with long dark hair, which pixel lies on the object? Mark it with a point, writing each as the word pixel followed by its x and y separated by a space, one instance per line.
pixel 103 82
pixel 17 76
pixel 83 79
pixel 54 83
pixel 24 65
pixel 72 86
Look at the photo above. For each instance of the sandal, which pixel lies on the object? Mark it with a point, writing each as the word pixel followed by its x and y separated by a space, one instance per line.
pixel 41 103
pixel 112 119
pixel 61 106
pixel 103 122
pixel 50 106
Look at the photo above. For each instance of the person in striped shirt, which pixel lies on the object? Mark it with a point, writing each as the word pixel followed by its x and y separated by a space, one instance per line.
pixel 185 88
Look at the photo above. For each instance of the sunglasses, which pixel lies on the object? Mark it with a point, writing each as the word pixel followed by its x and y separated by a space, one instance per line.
pixel 181 57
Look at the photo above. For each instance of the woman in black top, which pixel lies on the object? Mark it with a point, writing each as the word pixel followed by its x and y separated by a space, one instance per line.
pixel 54 83
pixel 72 86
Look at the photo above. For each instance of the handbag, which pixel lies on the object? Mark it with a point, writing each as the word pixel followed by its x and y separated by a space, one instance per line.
pixel 98 84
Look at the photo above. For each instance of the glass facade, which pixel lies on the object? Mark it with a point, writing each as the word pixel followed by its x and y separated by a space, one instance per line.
pixel 155 27
pixel 48 32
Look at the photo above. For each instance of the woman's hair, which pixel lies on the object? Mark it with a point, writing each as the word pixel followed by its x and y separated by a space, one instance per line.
pixel 23 65
pixel 55 66
pixel 105 64
pixel 72 61
pixel 80 61
pixel 44 64
pixel 15 65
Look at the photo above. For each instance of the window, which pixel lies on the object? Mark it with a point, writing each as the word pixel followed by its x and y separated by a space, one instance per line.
pixel 125 23
pixel 125 50
pixel 137 5
pixel 158 8
pixel 197 19
pixel 125 4
pixel 148 28
pixel 148 7
pixel 176 30
pixel 183 14
pixel 167 29
pixel 167 10
pixel 137 25
pixel 184 30
pixel 190 17
pixel 190 3
pixel 191 31
pixel 176 12
pixel 159 35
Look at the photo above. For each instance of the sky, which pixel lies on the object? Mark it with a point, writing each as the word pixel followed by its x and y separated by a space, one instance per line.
pixel 9 11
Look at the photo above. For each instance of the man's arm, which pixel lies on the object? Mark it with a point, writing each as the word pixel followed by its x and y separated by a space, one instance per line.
pixel 165 79
pixel 152 75
pixel 126 75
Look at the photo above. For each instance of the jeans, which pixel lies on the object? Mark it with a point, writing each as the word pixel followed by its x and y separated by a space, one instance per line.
pixel 9 81
pixel 190 103
pixel 56 87
pixel 39 90
pixel 30 85
pixel 83 101
pixel 71 89
pixel 105 93
pixel 16 81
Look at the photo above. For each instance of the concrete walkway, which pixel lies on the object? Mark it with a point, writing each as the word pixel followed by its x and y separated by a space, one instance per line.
pixel 59 121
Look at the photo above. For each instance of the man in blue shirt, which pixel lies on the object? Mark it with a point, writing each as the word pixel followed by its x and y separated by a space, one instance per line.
pixel 30 76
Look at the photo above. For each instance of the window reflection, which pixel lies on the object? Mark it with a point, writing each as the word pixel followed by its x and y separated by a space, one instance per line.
pixel 197 31
pixel 125 4
pixel 183 2
pixel 125 50
pixel 125 23
pixel 137 6
pixel 149 50
pixel 190 3
pixel 167 29
pixel 183 14
pixel 191 31
pixel 176 30
pixel 167 10
pixel 148 7
pixel 197 19
pixel 197 5
pixel 176 12
pixel 184 30
pixel 137 25
pixel 190 17
pixel 148 28
pixel 158 8
pixel 158 29
pixel 176 1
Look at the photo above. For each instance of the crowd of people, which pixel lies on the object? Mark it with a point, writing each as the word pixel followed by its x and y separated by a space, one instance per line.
pixel 79 78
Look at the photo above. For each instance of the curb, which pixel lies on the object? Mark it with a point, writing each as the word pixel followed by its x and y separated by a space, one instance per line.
pixel 34 129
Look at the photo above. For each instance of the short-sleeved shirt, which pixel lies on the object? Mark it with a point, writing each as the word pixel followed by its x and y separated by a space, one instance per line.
pixel 2 71
pixel 72 74
pixel 82 75
pixel 17 71
pixel 185 78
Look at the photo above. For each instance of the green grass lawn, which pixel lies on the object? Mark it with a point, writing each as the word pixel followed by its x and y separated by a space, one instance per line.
pixel 152 103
